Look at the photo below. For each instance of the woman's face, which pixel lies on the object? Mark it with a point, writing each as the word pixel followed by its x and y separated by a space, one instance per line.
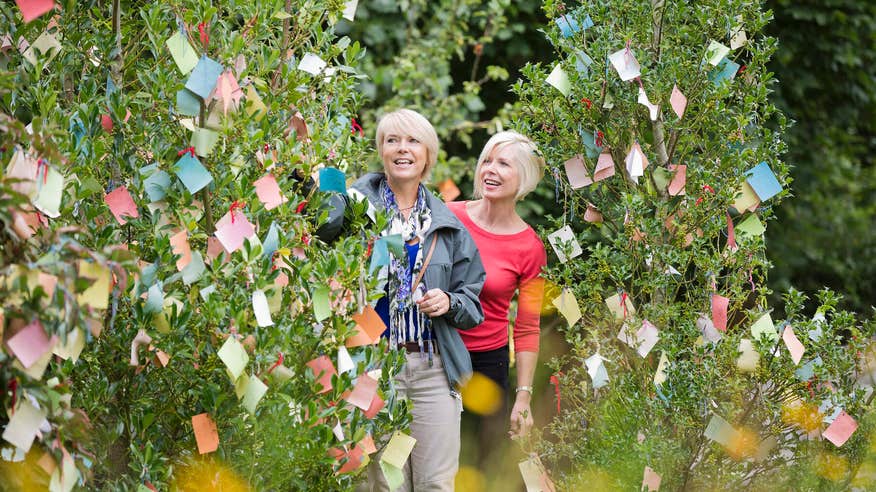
pixel 404 157
pixel 499 176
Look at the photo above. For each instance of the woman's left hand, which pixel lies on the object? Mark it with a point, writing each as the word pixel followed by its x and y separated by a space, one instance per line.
pixel 434 302
pixel 521 419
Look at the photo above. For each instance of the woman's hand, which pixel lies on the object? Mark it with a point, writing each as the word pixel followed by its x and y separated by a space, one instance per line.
pixel 521 416
pixel 434 302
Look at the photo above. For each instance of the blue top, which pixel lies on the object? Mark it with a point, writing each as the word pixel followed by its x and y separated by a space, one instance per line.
pixel 382 306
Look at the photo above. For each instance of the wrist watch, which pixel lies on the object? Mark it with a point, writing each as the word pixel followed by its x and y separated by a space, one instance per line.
pixel 524 388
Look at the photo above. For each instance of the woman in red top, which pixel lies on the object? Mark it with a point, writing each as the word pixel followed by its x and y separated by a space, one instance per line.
pixel 508 168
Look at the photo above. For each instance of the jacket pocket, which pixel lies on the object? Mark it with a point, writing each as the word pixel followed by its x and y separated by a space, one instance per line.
pixel 437 276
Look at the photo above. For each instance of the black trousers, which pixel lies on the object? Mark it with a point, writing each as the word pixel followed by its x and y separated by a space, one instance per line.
pixel 489 433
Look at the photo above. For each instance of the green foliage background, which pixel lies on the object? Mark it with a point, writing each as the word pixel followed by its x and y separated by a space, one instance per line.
pixel 453 60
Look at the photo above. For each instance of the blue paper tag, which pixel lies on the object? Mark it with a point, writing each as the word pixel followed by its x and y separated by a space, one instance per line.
pixel 192 174
pixel 763 181
pixel 331 179
pixel 379 255
pixel 272 240
pixel 726 70
pixel 156 185
pixel 203 79
pixel 187 103
pixel 568 25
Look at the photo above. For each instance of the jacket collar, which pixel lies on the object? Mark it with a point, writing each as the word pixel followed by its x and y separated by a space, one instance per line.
pixel 442 217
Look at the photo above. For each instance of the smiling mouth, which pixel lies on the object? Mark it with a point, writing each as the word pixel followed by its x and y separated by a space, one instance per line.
pixel 403 162
pixel 491 182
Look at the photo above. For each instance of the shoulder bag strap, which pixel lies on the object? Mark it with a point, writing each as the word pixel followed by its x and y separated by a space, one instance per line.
pixel 425 262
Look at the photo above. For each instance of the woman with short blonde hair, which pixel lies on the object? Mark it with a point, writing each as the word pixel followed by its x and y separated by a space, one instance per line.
pixel 510 167
pixel 430 293
pixel 415 124
pixel 524 154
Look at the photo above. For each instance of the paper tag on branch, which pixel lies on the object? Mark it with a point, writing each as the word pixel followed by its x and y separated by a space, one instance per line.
pixel 624 61
pixel 233 356
pixel 678 101
pixel 651 480
pixel 679 179
pixel 567 305
pixel 204 76
pixel 311 64
pixel 182 52
pixel 636 162
pixel 577 173
pixel 795 347
pixel 323 370
pixel 763 181
pixel 840 430
pixel 764 326
pixel 24 425
pixel 121 204
pixel 565 244
pixel 592 214
pixel 715 52
pixel 535 476
pixel 269 192
pixel 350 9
pixel 644 101
pixel 620 308
pixel 559 80
pixel 604 167
pixel 449 191
pixel 596 370
pixel 749 358
pixel 660 373
pixel 206 434
pixel 398 449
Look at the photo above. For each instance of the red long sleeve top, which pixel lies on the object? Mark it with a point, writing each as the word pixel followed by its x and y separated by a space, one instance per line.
pixel 513 263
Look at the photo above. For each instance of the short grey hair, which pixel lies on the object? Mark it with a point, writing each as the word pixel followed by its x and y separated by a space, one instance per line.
pixel 409 122
pixel 525 155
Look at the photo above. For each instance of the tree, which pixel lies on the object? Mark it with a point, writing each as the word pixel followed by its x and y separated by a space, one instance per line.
pixel 182 124
pixel 675 362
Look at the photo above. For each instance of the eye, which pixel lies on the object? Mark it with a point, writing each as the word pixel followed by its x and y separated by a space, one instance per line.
pixel 391 140
pixel 413 140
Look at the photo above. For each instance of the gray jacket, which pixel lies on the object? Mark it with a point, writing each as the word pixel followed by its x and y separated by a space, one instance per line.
pixel 455 268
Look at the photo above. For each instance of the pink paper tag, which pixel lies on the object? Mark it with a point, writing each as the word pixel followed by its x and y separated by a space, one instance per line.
pixel 269 192
pixel 323 370
pixel 719 311
pixel 840 430
pixel 121 204
pixel 604 167
pixel 794 346
pixel 577 172
pixel 678 101
pixel 180 245
pixel 363 394
pixel 30 344
pixel 31 9
pixel 676 186
pixel 232 234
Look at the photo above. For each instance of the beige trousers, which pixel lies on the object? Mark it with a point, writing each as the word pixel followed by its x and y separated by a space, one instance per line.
pixel 436 413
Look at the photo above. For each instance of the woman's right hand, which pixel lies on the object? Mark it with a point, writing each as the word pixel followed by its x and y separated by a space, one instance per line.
pixel 434 303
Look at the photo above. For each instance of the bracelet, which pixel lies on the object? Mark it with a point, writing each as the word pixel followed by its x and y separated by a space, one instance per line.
pixel 524 388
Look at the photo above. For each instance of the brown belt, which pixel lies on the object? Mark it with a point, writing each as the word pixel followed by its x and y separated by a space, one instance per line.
pixel 414 347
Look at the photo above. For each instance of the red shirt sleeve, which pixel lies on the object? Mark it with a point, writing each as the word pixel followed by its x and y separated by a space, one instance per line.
pixel 529 299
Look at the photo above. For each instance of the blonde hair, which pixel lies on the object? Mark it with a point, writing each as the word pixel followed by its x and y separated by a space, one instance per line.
pixel 409 122
pixel 525 156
